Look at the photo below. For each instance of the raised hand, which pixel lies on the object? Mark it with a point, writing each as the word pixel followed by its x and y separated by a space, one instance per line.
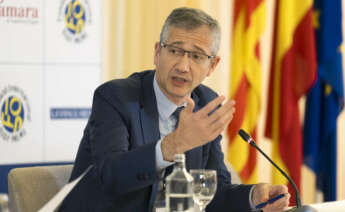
pixel 198 128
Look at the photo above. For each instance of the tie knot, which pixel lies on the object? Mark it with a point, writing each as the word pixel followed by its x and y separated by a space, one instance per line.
pixel 176 113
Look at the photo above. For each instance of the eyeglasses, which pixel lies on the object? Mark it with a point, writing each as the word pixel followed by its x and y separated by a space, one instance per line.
pixel 177 52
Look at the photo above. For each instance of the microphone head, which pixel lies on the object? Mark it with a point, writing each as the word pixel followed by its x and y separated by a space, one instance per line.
pixel 244 135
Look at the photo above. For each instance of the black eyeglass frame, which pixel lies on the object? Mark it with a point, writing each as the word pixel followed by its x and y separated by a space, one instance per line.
pixel 164 45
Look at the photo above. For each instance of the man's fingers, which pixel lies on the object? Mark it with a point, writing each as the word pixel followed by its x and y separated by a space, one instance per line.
pixel 219 124
pixel 279 204
pixel 202 125
pixel 278 189
pixel 218 120
pixel 224 114
pixel 211 106
pixel 190 105
pixel 260 193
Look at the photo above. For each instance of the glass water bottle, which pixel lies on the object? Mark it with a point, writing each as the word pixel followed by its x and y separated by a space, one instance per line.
pixel 179 187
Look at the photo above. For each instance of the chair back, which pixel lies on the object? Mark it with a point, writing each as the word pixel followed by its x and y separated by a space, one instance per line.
pixel 30 188
pixel 3 202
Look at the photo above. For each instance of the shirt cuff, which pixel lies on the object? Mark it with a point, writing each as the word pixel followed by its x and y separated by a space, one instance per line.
pixel 160 162
pixel 252 206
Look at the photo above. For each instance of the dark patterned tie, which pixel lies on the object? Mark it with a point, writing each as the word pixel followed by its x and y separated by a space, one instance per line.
pixel 176 114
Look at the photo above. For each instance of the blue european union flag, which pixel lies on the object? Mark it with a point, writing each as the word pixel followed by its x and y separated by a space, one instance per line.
pixel 326 99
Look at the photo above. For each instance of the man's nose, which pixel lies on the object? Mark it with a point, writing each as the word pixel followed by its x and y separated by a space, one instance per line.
pixel 183 64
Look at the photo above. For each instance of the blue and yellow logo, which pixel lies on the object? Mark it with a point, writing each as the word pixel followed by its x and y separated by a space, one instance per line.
pixel 76 15
pixel 12 114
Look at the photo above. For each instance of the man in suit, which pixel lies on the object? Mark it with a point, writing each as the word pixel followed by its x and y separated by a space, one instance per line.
pixel 132 137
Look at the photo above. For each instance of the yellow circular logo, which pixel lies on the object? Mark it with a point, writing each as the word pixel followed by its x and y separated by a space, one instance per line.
pixel 75 17
pixel 12 114
pixel 15 113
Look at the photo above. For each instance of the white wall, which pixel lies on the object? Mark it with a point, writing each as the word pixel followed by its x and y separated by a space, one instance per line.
pixel 52 71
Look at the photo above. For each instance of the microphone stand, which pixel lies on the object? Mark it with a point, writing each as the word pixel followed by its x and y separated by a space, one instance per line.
pixel 299 207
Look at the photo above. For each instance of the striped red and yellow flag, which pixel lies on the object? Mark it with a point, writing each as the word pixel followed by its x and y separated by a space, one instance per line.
pixel 245 83
pixel 293 71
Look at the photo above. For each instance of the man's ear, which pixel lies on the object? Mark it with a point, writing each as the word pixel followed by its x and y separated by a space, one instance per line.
pixel 213 65
pixel 157 52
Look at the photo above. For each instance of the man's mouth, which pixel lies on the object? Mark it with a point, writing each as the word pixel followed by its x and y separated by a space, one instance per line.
pixel 179 79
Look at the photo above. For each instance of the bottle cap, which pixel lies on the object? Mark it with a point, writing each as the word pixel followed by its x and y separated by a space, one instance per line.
pixel 179 157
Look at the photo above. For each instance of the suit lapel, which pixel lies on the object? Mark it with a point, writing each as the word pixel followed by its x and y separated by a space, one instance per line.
pixel 148 111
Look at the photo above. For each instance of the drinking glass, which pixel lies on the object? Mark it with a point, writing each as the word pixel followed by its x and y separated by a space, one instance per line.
pixel 205 186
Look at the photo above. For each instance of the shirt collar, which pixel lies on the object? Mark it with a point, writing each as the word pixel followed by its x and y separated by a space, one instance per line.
pixel 165 106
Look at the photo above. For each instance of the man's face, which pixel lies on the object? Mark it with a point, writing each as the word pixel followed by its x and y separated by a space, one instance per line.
pixel 177 75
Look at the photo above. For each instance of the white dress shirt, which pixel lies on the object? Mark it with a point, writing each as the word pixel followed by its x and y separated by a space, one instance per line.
pixel 167 122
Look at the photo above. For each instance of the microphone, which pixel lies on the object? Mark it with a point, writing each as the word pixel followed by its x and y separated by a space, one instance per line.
pixel 299 207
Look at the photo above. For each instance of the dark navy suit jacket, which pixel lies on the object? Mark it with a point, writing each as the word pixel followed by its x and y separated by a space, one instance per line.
pixel 119 141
